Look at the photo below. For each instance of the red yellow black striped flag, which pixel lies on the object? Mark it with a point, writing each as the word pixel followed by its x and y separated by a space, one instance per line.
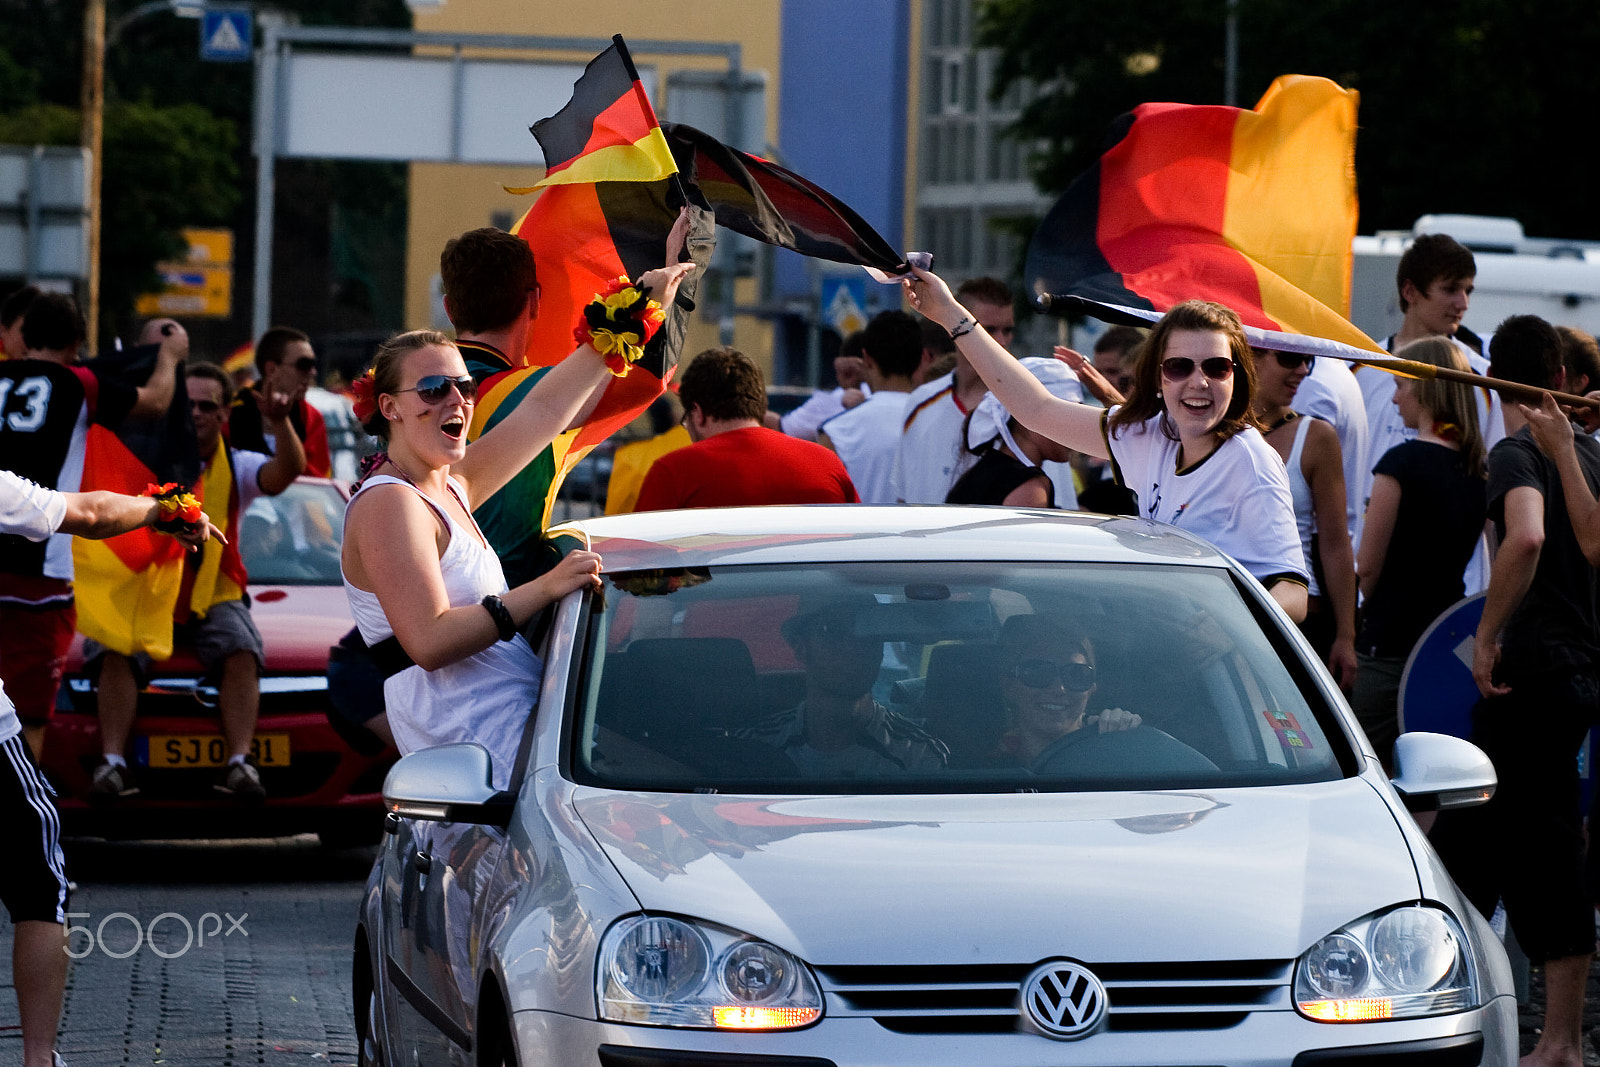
pixel 1252 209
pixel 608 131
pixel 126 586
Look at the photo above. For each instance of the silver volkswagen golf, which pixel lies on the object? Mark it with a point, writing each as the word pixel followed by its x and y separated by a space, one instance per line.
pixel 911 786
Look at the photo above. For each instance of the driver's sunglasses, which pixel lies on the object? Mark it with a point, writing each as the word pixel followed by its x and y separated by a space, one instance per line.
pixel 1179 368
pixel 436 387
pixel 1041 674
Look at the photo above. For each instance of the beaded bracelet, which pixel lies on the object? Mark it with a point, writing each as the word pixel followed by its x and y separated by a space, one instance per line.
pixel 618 322
pixel 177 510
pixel 503 622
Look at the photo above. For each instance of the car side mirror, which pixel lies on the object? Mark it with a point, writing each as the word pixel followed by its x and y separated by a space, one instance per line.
pixel 448 783
pixel 1437 772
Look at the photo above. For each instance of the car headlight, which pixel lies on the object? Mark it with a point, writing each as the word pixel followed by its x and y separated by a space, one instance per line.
pixel 662 971
pixel 1400 964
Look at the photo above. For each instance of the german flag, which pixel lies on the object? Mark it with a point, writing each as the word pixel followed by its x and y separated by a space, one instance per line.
pixel 1252 209
pixel 126 586
pixel 774 205
pixel 608 130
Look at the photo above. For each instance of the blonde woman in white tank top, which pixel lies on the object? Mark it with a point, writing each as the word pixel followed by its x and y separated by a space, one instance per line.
pixel 416 565
pixel 1317 479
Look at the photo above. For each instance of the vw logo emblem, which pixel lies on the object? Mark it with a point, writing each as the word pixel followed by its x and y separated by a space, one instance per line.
pixel 1064 1000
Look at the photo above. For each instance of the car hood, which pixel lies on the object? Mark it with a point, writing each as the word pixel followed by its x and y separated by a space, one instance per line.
pixel 298 624
pixel 1246 873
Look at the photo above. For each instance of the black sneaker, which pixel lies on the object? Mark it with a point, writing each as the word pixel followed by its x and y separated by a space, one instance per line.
pixel 111 782
pixel 240 781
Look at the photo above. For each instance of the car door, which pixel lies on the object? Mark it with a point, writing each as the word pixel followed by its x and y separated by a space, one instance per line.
pixel 438 871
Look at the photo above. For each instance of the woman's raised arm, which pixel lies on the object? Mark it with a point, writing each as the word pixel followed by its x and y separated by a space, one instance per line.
pixel 1078 426
pixel 550 406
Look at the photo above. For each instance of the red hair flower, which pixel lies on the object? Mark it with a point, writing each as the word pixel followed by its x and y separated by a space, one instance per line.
pixel 364 397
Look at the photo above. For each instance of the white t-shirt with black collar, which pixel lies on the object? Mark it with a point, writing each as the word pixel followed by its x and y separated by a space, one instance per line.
pixel 1237 497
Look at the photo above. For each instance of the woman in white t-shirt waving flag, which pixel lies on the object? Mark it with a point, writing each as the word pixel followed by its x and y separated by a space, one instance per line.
pixel 1184 441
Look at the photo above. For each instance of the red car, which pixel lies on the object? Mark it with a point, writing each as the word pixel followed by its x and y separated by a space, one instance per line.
pixel 315 777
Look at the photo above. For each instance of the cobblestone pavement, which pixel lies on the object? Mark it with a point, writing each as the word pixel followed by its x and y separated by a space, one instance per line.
pixel 241 955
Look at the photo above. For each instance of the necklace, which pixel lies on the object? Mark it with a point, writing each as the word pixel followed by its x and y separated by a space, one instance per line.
pixel 1288 417
pixel 403 473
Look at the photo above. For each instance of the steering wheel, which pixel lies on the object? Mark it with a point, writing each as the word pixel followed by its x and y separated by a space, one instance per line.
pixel 1142 752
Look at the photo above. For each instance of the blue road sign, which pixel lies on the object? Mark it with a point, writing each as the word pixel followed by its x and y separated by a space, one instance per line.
pixel 1437 691
pixel 844 302
pixel 225 34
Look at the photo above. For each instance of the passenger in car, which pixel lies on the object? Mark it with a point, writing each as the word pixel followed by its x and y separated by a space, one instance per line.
pixel 1047 676
pixel 1185 441
pixel 417 567
pixel 839 730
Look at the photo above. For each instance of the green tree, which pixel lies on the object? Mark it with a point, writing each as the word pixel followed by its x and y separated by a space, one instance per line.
pixel 165 167
pixel 176 140
pixel 1461 106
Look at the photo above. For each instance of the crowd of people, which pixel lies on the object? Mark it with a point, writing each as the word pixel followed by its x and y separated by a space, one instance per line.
pixel 1364 504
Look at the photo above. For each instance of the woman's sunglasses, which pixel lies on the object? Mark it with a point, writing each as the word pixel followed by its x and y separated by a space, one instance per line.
pixel 436 387
pixel 1041 674
pixel 1178 368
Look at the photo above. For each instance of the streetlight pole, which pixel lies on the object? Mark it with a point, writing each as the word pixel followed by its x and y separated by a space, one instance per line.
pixel 92 137
pixel 1230 62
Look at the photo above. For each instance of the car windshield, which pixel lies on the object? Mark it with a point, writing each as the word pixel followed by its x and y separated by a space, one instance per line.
pixel 943 677
pixel 293 538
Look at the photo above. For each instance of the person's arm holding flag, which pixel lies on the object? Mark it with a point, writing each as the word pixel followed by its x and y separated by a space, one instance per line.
pixel 1075 425
pixel 557 400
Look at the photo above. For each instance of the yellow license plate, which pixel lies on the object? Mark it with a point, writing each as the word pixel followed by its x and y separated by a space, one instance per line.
pixel 209 750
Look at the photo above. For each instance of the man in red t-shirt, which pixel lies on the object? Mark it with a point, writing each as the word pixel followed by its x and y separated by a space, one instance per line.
pixel 734 459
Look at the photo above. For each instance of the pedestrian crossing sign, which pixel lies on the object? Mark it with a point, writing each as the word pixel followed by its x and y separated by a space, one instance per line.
pixel 225 34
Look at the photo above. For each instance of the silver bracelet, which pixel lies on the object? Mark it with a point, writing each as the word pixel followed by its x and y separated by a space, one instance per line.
pixel 963 327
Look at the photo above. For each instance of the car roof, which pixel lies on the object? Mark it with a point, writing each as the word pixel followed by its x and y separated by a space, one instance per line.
pixel 842 533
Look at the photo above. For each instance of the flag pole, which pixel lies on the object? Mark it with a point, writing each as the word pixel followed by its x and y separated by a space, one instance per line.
pixel 1408 368
pixel 1400 368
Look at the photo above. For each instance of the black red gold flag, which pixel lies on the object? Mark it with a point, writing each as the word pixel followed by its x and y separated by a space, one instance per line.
pixel 1252 209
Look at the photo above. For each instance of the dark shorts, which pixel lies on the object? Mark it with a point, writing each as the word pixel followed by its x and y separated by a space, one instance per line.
pixel 37 620
pixel 34 884
pixel 225 629
pixel 1526 846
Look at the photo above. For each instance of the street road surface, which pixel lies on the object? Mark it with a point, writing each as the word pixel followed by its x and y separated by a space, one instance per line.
pixel 205 954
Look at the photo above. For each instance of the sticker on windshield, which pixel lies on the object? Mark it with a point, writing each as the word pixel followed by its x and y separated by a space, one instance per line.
pixel 1281 720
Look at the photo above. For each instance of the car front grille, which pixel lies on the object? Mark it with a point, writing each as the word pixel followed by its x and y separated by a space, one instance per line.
pixel 983 999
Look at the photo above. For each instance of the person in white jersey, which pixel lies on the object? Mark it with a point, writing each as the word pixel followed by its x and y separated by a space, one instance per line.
pixel 416 566
pixel 1185 441
pixel 867 436
pixel 34 887
pixel 1435 280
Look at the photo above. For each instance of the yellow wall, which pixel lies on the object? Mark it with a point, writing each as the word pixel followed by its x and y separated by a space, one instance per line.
pixel 447 199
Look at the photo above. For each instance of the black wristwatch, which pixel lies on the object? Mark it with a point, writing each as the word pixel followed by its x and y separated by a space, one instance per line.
pixel 501 615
